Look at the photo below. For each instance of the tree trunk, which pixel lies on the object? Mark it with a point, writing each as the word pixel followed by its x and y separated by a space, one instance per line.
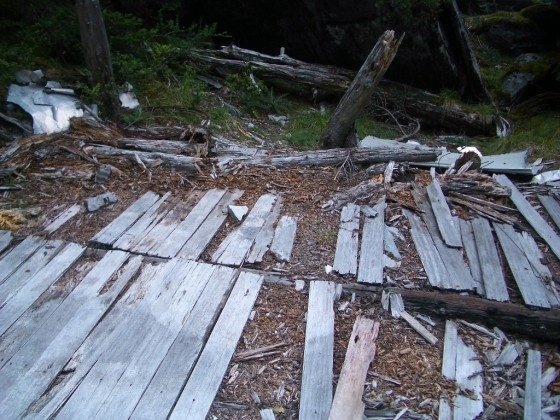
pixel 97 53
pixel 340 131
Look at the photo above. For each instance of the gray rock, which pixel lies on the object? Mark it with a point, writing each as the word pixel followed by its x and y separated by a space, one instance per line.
pixel 528 58
pixel 516 86
pixel 100 201
pixel 238 212
pixel 102 175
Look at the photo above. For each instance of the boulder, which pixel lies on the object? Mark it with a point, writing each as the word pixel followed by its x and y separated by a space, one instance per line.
pixel 515 87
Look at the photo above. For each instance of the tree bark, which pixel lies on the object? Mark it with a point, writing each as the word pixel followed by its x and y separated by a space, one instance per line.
pixel 97 53
pixel 341 130
pixel 318 81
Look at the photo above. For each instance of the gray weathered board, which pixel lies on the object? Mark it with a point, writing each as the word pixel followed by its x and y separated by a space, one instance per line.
pixel 532 215
pixel 316 381
pixel 16 256
pixel 284 237
pixel 235 248
pixel 552 207
pixel 265 236
pixel 469 245
pixel 5 239
pixel 370 268
pixel 530 285
pixel 346 254
pixel 492 275
pixel 62 218
pixel 532 402
pixel 447 224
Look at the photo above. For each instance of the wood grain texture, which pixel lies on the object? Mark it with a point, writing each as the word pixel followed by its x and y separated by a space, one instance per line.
pixel 346 254
pixel 446 223
pixel 5 239
pixel 532 405
pixel 347 402
pixel 316 381
pixel 203 384
pixel 12 260
pixel 370 269
pixel 531 215
pixel 62 218
pixel 265 236
pixel 552 207
pixel 284 237
pixel 469 245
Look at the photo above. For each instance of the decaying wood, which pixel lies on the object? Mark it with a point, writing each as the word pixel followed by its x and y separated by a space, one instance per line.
pixel 347 402
pixel 341 130
pixel 316 80
pixel 485 211
pixel 473 183
pixel 362 191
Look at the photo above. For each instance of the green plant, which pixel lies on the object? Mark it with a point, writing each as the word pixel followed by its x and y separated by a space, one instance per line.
pixel 305 127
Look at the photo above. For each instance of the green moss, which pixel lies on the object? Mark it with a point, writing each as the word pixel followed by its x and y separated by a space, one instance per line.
pixel 369 127
pixel 482 23
pixel 305 127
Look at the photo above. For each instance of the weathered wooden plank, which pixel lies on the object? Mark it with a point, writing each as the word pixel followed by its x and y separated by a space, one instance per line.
pixel 449 361
pixel 36 365
pixel 389 242
pixel 265 236
pixel 531 215
pixel 346 254
pixel 36 285
pixel 108 235
pixel 490 264
pixel 234 249
pixel 62 218
pixel 419 328
pixel 5 239
pixel 531 287
pixel 534 255
pixel 133 382
pixel 446 223
pixel 284 237
pixel 199 241
pixel 469 245
pixel 18 255
pixel 429 255
pixel 28 269
pixel 347 401
pixel 370 269
pixel 316 379
pixel 143 225
pixel 267 414
pixel 167 224
pixel 532 405
pixel 552 207
pixel 468 375
pixel 459 276
pixel 203 384
pixel 158 312
pixel 116 327
pixel 200 212
pixel 165 386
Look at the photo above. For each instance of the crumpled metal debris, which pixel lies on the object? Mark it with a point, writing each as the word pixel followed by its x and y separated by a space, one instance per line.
pixel 51 112
pixel 547 177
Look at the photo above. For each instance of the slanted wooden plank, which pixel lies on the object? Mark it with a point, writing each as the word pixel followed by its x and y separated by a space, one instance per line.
pixel 446 223
pixel 157 316
pixel 143 225
pixel 35 366
pixel 531 287
pixel 161 231
pixel 429 255
pixel 36 285
pixel 419 328
pixel 197 286
pixel 185 230
pixel 18 255
pixel 265 236
pixel 167 383
pixel 346 254
pixel 490 264
pixel 5 239
pixel 552 207
pixel 267 414
pixel 469 245
pixel 234 249
pixel 120 331
pixel 62 218
pixel 108 235
pixel 284 238
pixel 468 375
pixel 531 215
pixel 371 252
pixel 28 269
pixel 534 255
pixel 459 276
pixel 203 384
pixel 200 240
pixel 532 405
pixel 316 379
pixel 347 402
pixel 449 361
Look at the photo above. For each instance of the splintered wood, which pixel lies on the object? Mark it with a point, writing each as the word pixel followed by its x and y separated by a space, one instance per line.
pixel 371 251
pixel 347 402
pixel 346 255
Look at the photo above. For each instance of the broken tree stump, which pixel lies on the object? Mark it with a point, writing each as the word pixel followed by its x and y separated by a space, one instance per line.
pixel 340 131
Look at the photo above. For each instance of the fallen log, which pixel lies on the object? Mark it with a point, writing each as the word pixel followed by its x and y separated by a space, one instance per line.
pixel 333 157
pixel 316 81
pixel 341 128
pixel 362 191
